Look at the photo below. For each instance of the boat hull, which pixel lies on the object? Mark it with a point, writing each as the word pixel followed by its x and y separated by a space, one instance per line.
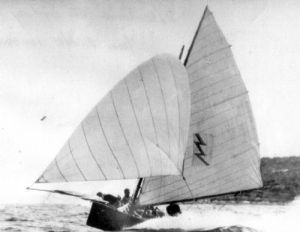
pixel 105 217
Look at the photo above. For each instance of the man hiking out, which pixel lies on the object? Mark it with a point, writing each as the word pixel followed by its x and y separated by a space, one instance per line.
pixel 111 199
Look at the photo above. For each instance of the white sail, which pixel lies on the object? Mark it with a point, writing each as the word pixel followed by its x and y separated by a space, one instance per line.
pixel 139 129
pixel 222 154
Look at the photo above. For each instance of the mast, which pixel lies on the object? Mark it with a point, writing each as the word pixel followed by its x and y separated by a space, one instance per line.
pixel 137 190
pixel 181 52
pixel 195 36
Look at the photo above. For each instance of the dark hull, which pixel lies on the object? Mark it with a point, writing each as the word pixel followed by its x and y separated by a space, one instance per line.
pixel 105 217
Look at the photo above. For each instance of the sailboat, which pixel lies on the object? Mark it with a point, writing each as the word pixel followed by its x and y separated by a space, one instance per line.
pixel 184 131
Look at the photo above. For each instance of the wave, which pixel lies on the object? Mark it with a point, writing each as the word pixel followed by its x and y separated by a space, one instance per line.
pixel 220 229
pixel 15 219
pixel 11 229
pixel 195 218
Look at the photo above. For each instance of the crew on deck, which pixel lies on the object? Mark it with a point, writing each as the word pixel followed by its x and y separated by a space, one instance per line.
pixel 173 209
pixel 116 201
pixel 111 199
pixel 126 199
pixel 126 205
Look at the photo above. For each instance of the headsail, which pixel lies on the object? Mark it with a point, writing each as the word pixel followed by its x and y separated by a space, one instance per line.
pixel 139 129
pixel 222 154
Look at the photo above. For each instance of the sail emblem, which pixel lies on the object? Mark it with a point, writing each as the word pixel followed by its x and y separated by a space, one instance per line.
pixel 202 149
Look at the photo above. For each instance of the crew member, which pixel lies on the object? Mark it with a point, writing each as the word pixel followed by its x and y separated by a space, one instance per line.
pixel 173 209
pixel 126 199
pixel 111 199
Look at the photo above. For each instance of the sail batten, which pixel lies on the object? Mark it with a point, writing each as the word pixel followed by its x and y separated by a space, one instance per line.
pixel 222 150
pixel 139 129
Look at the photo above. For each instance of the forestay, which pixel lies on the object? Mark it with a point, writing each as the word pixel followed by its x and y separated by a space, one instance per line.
pixel 139 129
pixel 222 154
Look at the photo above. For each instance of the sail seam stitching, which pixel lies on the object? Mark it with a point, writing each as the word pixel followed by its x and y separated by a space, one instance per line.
pixel 218 103
pixel 219 80
pixel 148 101
pixel 237 87
pixel 58 168
pixel 203 177
pixel 109 146
pixel 138 124
pixel 122 129
pixel 212 43
pixel 210 64
pixel 207 65
pixel 200 78
pixel 92 154
pixel 165 105
pixel 208 55
pixel 76 161
pixel 222 144
pixel 203 129
pixel 199 187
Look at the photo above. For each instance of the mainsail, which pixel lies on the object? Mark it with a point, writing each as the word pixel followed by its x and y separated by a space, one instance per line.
pixel 222 154
pixel 139 129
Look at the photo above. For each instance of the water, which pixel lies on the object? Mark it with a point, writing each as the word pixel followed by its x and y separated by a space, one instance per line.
pixel 227 218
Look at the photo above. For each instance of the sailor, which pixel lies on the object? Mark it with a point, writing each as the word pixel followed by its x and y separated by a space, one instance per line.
pixel 126 199
pixel 173 209
pixel 151 212
pixel 111 199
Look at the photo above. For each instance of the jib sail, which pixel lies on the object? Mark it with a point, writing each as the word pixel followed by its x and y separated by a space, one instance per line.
pixel 139 129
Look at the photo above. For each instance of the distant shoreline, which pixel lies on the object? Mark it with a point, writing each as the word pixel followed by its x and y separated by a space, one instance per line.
pixel 281 183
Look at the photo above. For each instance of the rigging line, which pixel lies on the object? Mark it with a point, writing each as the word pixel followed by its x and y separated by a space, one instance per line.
pixel 109 146
pixel 92 154
pixel 192 195
pixel 124 135
pixel 138 124
pixel 76 161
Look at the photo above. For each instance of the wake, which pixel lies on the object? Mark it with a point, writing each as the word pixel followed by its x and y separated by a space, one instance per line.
pixel 229 218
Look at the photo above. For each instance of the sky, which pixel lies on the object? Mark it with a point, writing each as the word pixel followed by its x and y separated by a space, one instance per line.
pixel 58 58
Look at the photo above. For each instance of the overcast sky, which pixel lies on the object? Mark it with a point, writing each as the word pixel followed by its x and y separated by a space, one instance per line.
pixel 58 58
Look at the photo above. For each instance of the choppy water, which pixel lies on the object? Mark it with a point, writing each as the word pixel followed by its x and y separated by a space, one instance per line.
pixel 202 217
